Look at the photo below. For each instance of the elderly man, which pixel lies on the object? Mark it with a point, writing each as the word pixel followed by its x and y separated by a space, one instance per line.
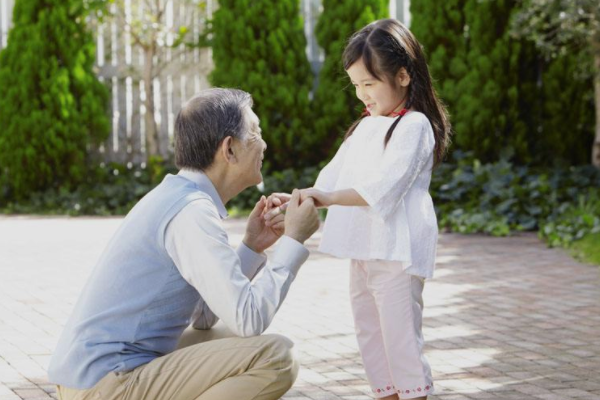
pixel 170 265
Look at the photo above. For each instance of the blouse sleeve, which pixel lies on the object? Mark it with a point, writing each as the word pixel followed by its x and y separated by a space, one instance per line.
pixel 329 175
pixel 407 153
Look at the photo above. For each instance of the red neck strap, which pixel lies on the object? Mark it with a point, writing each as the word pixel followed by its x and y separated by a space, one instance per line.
pixel 393 114
pixel 400 113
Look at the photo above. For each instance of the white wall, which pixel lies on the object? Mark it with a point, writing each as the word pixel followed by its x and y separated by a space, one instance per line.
pixel 6 7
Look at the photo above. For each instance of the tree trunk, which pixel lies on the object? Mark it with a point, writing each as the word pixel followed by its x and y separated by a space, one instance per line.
pixel 152 143
pixel 596 145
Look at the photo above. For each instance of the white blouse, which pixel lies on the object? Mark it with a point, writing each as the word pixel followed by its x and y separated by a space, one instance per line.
pixel 400 223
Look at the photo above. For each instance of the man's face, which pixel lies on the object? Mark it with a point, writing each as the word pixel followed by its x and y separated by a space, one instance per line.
pixel 252 150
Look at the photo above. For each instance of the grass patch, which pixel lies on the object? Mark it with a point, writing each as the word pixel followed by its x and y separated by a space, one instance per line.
pixel 588 249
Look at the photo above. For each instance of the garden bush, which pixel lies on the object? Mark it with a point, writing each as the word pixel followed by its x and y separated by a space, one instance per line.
pixel 52 105
pixel 563 204
pixel 499 198
pixel 259 46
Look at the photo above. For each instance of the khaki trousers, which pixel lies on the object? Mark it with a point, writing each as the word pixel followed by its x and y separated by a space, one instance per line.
pixel 205 367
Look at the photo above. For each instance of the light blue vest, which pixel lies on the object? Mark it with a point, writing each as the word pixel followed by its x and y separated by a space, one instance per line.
pixel 136 303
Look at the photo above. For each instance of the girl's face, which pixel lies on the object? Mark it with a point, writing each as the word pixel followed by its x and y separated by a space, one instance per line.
pixel 381 98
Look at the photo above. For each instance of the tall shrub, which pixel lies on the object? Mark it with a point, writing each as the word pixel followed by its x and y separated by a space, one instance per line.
pixel 566 129
pixel 51 103
pixel 494 97
pixel 504 98
pixel 335 103
pixel 440 28
pixel 259 46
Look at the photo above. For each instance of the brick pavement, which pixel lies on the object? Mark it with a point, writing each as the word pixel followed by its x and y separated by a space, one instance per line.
pixel 506 318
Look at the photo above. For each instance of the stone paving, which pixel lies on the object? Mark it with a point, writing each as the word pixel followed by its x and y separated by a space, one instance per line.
pixel 505 318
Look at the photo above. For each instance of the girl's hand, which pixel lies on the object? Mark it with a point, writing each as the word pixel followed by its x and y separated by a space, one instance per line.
pixel 276 200
pixel 321 199
pixel 274 212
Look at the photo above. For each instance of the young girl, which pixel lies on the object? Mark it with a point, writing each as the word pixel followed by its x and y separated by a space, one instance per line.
pixel 381 215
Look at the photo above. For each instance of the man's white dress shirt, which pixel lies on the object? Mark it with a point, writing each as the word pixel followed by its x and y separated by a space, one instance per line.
pixel 199 246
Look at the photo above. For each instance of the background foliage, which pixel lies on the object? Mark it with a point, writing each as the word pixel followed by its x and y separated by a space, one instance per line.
pixel 259 46
pixel 504 96
pixel 522 108
pixel 51 103
pixel 335 104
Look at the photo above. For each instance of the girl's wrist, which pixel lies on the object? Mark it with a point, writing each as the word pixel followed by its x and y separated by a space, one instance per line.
pixel 334 198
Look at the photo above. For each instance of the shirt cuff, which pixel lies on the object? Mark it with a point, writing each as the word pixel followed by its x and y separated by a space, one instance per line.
pixel 291 253
pixel 250 260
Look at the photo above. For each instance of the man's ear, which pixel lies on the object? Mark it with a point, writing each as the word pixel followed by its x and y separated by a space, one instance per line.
pixel 403 78
pixel 226 150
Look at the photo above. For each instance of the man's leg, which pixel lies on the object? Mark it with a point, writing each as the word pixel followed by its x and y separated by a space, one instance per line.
pixel 192 336
pixel 256 368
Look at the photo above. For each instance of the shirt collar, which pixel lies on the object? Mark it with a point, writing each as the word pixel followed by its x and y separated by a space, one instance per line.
pixel 206 186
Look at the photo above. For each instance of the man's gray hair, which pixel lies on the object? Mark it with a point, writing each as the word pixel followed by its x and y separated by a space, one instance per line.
pixel 205 121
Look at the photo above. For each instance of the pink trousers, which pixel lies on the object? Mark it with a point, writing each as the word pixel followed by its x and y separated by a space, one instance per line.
pixel 387 305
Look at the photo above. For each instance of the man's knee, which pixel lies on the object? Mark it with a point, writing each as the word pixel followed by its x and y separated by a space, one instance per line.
pixel 282 351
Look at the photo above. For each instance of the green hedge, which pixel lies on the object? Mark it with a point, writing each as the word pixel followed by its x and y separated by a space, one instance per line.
pixel 563 204
pixel 114 189
pixel 111 189
pixel 499 198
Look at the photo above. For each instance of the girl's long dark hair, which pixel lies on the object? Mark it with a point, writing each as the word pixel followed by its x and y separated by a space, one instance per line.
pixel 386 46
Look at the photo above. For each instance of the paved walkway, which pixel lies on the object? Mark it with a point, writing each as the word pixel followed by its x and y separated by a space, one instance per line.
pixel 506 318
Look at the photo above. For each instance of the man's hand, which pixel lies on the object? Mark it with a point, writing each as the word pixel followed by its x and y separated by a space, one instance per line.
pixel 259 236
pixel 301 219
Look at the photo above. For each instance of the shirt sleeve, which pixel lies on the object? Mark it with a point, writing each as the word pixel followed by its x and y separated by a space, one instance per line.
pixel 199 247
pixel 251 263
pixel 329 175
pixel 407 153
pixel 203 317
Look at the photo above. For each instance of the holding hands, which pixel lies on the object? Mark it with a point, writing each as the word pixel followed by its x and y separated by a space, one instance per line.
pixel 296 215
pixel 277 203
pixel 280 214
pixel 301 218
pixel 260 236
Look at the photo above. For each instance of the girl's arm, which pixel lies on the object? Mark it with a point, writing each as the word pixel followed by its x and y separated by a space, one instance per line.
pixel 346 197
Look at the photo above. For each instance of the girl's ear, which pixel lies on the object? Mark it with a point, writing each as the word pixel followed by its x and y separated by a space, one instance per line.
pixel 403 78
pixel 227 151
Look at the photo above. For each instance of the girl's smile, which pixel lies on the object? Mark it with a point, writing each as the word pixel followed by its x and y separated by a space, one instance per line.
pixel 381 98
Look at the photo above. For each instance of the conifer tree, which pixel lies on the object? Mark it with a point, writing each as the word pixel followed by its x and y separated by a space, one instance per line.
pixel 567 123
pixel 51 103
pixel 568 32
pixel 259 46
pixel 440 28
pixel 335 103
pixel 503 97
pixel 495 93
